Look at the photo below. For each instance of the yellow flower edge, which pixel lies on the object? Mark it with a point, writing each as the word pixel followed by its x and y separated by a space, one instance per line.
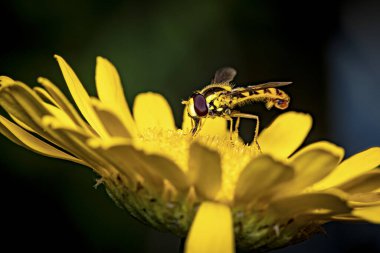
pixel 217 192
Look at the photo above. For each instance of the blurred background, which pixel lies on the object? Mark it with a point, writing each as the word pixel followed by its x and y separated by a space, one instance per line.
pixel 329 49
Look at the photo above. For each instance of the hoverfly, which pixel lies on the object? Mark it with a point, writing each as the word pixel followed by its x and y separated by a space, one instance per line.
pixel 220 98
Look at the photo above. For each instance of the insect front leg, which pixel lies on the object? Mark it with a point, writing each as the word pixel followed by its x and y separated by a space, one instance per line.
pixel 235 131
pixel 239 115
pixel 227 116
pixel 195 125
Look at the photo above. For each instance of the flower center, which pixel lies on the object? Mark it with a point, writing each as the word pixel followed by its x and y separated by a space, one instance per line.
pixel 175 146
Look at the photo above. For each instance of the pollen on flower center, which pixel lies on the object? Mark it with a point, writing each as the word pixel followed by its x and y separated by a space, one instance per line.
pixel 174 144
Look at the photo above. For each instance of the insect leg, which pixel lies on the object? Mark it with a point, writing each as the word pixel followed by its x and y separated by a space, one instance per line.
pixel 231 123
pixel 239 115
pixel 237 124
pixel 196 125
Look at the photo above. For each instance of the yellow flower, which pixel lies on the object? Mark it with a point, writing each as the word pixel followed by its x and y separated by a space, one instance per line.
pixel 219 193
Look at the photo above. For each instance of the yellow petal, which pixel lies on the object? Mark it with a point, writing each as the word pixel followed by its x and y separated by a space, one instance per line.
pixel 53 107
pixel 21 124
pixel 63 103
pixel 118 156
pixel 371 214
pixel 321 145
pixel 205 170
pixel 350 168
pixel 169 171
pixel 60 115
pixel 25 139
pixel 285 134
pixel 367 198
pixel 259 176
pixel 305 203
pixel 80 96
pixel 111 122
pixel 45 96
pixel 153 168
pixel 21 102
pixel 151 110
pixel 4 80
pixel 363 183
pixel 8 133
pixel 311 164
pixel 26 107
pixel 111 93
pixel 212 230
pixel 75 142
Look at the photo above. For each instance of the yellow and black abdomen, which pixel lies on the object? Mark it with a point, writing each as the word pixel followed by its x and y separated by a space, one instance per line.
pixel 270 96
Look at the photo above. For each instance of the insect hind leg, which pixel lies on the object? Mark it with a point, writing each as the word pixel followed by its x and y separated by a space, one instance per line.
pixel 237 124
pixel 239 115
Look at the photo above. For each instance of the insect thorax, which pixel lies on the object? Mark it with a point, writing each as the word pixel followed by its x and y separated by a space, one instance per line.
pixel 219 105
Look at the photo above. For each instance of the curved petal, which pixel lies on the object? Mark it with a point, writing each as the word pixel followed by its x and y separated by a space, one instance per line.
pixel 311 164
pixel 366 199
pixel 205 170
pixel 362 183
pixel 60 115
pixel 350 168
pixel 215 127
pixel 151 110
pixel 80 96
pixel 259 176
pixel 111 93
pixel 111 122
pixel 371 214
pixel 45 96
pixel 285 134
pixel 25 139
pixel 21 124
pixel 130 161
pixel 23 104
pixel 296 205
pixel 5 80
pixel 321 145
pixel 212 230
pixel 118 156
pixel 63 103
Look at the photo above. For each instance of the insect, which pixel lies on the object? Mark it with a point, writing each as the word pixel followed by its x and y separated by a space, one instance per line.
pixel 220 99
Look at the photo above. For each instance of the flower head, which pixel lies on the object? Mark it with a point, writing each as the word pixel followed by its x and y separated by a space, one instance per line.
pixel 217 192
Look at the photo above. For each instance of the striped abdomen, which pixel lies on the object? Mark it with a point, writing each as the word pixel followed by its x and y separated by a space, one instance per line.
pixel 270 96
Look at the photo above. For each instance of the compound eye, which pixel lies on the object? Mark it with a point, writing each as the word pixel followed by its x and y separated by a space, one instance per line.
pixel 200 105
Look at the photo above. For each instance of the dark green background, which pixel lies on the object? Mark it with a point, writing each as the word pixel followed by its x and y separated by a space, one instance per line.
pixel 170 47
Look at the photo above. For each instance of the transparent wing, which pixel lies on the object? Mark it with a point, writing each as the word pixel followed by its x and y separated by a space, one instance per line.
pixel 262 86
pixel 224 75
pixel 267 85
